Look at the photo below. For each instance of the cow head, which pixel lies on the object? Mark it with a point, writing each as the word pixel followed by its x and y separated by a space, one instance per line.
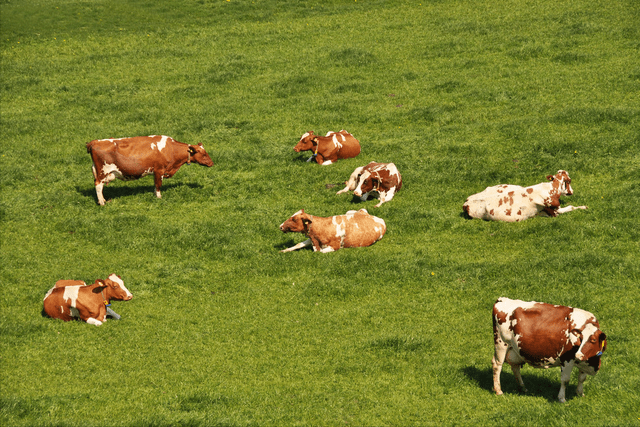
pixel 115 289
pixel 592 342
pixel 367 182
pixel 561 182
pixel 307 142
pixel 297 223
pixel 199 155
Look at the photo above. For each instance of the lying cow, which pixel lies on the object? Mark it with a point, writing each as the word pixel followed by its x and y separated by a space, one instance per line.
pixel 352 230
pixel 512 203
pixel 327 149
pixel 382 178
pixel 545 335
pixel 74 298
pixel 133 158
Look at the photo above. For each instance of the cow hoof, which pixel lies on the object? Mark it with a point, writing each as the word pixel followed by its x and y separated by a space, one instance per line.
pixel 563 400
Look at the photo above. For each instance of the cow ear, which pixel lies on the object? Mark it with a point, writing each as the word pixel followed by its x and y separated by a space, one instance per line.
pixel 192 150
pixel 550 177
pixel 101 285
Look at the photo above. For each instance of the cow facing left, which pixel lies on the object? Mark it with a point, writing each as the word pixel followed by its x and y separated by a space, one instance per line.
pixel 132 158
pixel 70 299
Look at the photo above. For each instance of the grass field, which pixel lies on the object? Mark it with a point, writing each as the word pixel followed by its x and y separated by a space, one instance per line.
pixel 225 330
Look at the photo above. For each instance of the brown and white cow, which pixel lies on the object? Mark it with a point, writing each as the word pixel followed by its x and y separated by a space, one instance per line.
pixel 545 335
pixel 327 234
pixel 512 203
pixel 133 158
pixel 327 149
pixel 74 298
pixel 382 178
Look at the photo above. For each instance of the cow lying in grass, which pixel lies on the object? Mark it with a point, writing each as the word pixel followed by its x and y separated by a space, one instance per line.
pixel 74 298
pixel 512 203
pixel 352 230
pixel 381 178
pixel 328 149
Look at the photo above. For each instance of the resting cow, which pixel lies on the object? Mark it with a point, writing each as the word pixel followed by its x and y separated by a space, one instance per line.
pixel 327 149
pixel 73 298
pixel 352 230
pixel 133 158
pixel 382 178
pixel 545 335
pixel 513 203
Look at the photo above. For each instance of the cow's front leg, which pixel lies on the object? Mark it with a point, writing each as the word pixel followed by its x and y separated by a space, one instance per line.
pixel 565 376
pixel 581 377
pixel 157 179
pixel 569 209
pixel 385 196
pixel 298 246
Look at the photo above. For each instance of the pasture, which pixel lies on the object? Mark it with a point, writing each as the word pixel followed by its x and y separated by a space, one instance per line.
pixel 223 329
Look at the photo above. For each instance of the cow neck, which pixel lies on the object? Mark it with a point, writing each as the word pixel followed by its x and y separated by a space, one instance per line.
pixel 188 155
pixel 106 301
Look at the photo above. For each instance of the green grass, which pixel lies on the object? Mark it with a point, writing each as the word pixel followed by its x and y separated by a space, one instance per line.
pixel 225 330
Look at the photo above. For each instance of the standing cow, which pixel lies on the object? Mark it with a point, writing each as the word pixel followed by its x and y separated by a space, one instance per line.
pixel 73 298
pixel 133 158
pixel 382 178
pixel 512 203
pixel 352 230
pixel 327 149
pixel 545 335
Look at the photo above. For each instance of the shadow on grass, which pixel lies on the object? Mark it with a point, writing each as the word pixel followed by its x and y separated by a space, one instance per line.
pixel 536 385
pixel 113 192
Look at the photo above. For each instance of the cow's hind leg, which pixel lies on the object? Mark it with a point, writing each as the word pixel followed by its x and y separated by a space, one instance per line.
pixel 496 363
pixel 157 179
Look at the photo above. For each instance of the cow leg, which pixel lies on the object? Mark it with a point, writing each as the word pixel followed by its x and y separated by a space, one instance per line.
pixel 581 377
pixel 99 187
pixel 298 246
pixel 516 363
pixel 569 209
pixel 93 321
pixel 157 179
pixel 326 163
pixel 565 376
pixel 496 363
pixel 385 197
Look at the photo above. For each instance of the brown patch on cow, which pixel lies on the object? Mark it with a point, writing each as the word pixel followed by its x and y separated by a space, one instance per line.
pixel 542 330
pixel 507 212
pixel 529 190
pixel 519 212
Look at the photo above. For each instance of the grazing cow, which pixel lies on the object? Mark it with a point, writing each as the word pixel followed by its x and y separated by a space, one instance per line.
pixel 73 298
pixel 382 178
pixel 133 158
pixel 512 203
pixel 328 149
pixel 545 335
pixel 352 230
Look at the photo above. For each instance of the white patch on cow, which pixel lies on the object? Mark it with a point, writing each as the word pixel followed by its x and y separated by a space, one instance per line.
pixel 335 141
pixel 162 143
pixel 306 134
pixel 93 321
pixel 70 295
pixel 48 293
pixel 341 230
pixel 107 170
pixel 327 163
pixel 153 145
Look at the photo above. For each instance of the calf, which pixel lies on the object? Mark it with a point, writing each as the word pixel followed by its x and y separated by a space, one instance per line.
pixel 133 158
pixel 73 298
pixel 512 203
pixel 382 178
pixel 327 149
pixel 545 335
pixel 352 230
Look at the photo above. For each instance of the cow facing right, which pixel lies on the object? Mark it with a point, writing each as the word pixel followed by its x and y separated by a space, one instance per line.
pixel 543 336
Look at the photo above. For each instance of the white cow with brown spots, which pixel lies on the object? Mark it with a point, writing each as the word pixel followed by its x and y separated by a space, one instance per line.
pixel 512 203
pixel 133 158
pixel 381 178
pixel 327 234
pixel 74 298
pixel 543 336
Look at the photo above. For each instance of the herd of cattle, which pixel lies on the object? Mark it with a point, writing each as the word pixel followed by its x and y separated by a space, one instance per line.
pixel 539 334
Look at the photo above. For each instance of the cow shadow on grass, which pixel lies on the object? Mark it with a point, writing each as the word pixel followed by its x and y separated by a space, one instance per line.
pixel 537 385
pixel 115 192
